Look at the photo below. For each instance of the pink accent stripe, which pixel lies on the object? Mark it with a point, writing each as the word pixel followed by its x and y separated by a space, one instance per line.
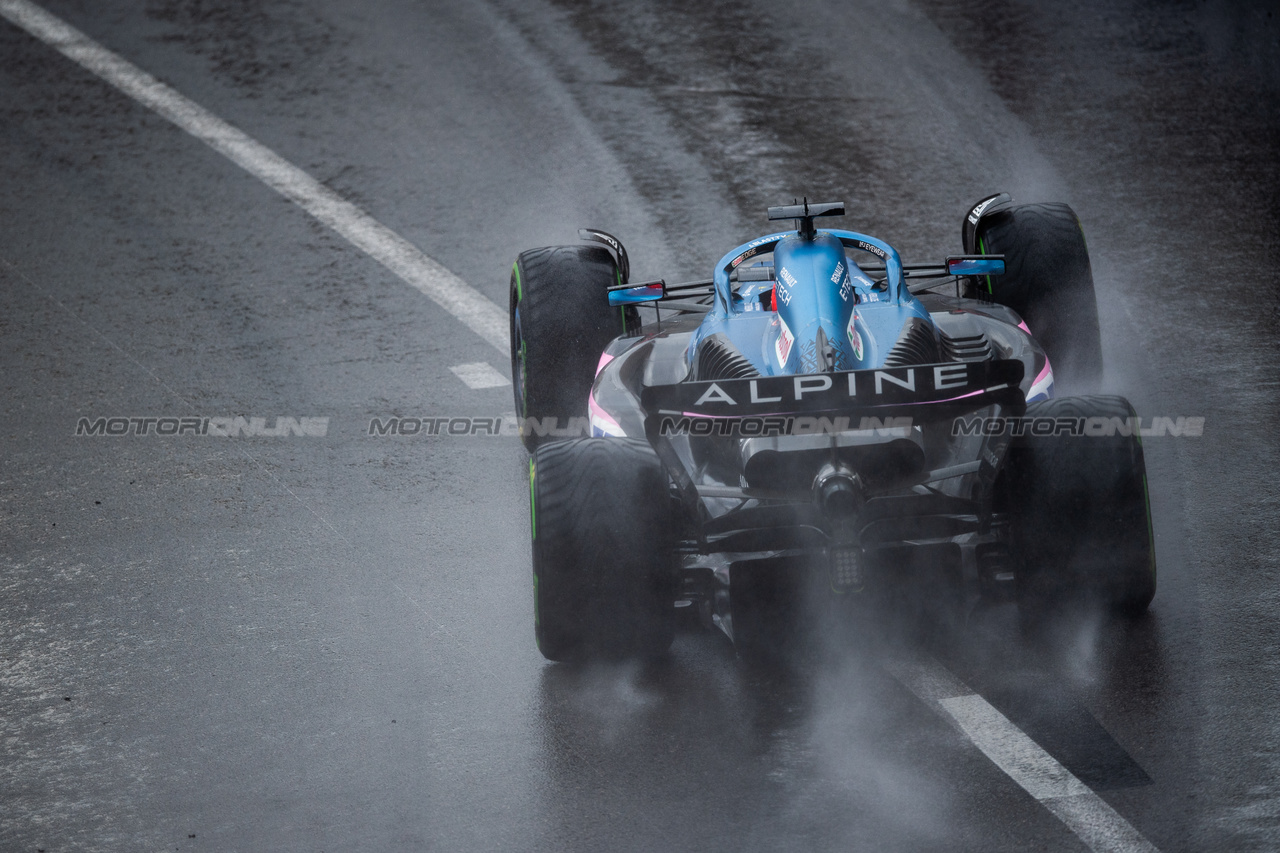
pixel 928 402
pixel 1022 324
pixel 1043 373
pixel 740 417
pixel 593 407
pixel 600 413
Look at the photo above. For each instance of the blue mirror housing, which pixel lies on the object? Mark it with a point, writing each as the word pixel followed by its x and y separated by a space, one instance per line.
pixel 975 265
pixel 633 294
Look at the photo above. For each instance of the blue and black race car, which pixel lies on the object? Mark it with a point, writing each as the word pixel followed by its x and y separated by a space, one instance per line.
pixel 818 413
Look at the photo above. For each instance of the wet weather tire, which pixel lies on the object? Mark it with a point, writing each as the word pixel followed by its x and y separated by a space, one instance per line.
pixel 604 559
pixel 560 324
pixel 1080 524
pixel 1049 281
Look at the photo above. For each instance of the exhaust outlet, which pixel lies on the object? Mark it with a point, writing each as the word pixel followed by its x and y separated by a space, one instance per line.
pixel 838 492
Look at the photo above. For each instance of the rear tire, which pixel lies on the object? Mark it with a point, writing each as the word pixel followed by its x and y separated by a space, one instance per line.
pixel 604 533
pixel 1049 281
pixel 1079 515
pixel 560 324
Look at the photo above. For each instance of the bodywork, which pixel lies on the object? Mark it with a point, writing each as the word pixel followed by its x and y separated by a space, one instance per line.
pixel 808 405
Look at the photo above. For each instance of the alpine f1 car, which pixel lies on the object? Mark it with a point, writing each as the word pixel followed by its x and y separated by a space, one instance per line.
pixel 819 409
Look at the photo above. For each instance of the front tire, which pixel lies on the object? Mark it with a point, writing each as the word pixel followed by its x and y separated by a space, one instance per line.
pixel 1080 520
pixel 604 531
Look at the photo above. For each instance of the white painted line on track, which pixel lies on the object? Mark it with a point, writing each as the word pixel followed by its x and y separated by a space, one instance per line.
pixel 479 375
pixel 1073 802
pixel 369 235
pixel 1013 752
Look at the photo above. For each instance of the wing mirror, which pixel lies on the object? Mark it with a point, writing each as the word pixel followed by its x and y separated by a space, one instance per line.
pixel 632 294
pixel 975 265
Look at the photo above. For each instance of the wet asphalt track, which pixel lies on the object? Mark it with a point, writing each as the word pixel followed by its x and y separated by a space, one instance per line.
pixel 306 643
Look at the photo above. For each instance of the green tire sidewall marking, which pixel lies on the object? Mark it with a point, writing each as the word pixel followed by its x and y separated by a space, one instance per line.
pixel 622 309
pixel 515 268
pixel 982 249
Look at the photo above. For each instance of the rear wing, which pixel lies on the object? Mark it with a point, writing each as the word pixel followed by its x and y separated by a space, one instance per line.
pixel 799 404
pixel 922 392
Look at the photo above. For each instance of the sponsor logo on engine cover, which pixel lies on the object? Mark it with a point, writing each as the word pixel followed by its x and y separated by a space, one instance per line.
pixel 841 277
pixel 783 294
pixel 782 346
pixel 855 340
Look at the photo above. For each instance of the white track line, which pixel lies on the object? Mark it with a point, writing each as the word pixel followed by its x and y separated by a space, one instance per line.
pixel 369 235
pixel 1036 771
pixel 480 375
